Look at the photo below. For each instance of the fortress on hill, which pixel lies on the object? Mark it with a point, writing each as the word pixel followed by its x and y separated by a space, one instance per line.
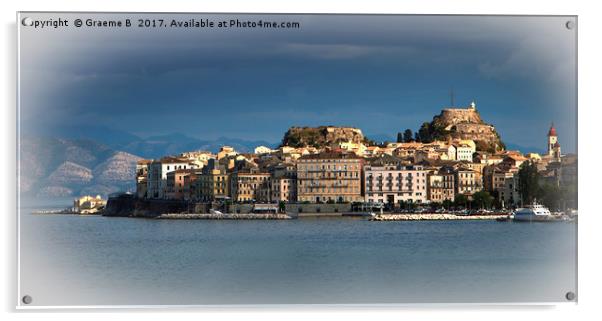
pixel 464 123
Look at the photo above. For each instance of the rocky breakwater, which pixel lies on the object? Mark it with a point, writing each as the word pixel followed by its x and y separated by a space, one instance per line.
pixel 432 217
pixel 225 216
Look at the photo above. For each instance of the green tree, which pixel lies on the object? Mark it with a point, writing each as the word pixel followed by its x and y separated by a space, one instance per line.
pixel 447 204
pixel 399 137
pixel 282 206
pixel 417 137
pixel 425 133
pixel 529 182
pixel 408 135
pixel 482 199
pixel 461 200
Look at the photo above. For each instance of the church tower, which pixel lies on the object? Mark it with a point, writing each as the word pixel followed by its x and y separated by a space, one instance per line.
pixel 553 144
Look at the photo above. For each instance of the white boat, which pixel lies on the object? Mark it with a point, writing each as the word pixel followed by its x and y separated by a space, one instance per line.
pixel 533 213
pixel 212 211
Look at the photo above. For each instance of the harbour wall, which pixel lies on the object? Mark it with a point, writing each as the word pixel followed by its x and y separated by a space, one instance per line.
pixel 433 217
pixel 130 206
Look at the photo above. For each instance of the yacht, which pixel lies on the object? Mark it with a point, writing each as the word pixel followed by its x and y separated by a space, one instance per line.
pixel 533 213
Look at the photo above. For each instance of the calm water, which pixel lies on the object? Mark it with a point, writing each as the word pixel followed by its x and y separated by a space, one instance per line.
pixel 76 260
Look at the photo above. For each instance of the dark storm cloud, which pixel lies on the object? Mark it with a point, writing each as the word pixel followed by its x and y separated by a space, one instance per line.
pixel 380 73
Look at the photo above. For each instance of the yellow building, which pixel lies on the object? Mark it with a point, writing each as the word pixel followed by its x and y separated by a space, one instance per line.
pixel 88 204
pixel 249 186
pixel 357 148
pixel 225 151
pixel 329 177
pixel 212 185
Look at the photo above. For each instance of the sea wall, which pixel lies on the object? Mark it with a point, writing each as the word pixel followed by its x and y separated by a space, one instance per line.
pixel 299 208
pixel 225 216
pixel 433 217
pixel 130 206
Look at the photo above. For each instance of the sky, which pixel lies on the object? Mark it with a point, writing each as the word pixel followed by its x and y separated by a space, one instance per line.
pixel 382 74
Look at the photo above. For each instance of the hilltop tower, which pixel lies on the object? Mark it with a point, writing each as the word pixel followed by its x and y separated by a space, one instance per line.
pixel 553 144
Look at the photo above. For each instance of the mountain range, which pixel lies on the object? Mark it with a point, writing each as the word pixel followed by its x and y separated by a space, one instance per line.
pixel 96 160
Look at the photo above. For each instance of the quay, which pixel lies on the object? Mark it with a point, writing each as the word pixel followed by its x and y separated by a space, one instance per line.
pixel 433 217
pixel 225 216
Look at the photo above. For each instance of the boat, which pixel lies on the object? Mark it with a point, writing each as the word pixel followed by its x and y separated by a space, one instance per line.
pixel 533 213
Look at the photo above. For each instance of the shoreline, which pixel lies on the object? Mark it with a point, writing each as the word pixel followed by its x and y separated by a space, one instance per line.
pixel 434 217
pixel 224 216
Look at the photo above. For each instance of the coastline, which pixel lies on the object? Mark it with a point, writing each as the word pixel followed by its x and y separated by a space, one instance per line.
pixel 224 216
pixel 433 217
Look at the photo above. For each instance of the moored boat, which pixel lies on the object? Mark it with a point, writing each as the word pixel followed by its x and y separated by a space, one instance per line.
pixel 533 213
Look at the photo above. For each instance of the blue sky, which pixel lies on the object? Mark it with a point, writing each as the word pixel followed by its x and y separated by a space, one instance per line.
pixel 382 74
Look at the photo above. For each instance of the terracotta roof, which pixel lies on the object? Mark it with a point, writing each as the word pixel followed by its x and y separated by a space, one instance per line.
pixel 552 131
pixel 169 160
pixel 331 155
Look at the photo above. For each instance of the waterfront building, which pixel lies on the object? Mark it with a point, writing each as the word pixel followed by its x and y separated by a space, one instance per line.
pixel 142 177
pixel 157 174
pixel 88 204
pixel 509 194
pixel 283 189
pixel 213 185
pixel 393 184
pixel 329 177
pixel 190 185
pixel 466 182
pixel 249 185
pixel 175 183
pixel 441 184
pixel 501 180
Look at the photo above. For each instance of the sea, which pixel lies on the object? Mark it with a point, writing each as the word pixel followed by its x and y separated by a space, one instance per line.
pixel 72 260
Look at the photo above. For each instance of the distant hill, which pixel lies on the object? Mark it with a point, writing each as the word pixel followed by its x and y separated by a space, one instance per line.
pixel 172 144
pixel 155 146
pixel 62 167
pixel 72 167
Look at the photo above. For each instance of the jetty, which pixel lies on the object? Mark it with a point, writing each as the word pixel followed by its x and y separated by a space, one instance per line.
pixel 434 217
pixel 224 216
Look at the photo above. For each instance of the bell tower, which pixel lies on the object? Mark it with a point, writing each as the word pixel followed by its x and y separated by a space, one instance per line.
pixel 553 145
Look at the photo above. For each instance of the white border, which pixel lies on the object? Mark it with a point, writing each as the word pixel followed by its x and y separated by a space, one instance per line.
pixel 589 53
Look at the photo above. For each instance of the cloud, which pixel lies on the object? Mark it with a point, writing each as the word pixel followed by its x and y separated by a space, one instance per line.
pixel 344 51
pixel 549 57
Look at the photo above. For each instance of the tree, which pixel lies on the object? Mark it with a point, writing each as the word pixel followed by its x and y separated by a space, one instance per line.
pixel 282 206
pixel 399 137
pixel 461 200
pixel 417 137
pixel 425 133
pixel 528 182
pixel 482 199
pixel 447 204
pixel 408 135
pixel 551 196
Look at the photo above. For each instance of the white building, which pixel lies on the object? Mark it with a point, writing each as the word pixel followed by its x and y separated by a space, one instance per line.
pixel 394 183
pixel 263 150
pixel 464 152
pixel 157 174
